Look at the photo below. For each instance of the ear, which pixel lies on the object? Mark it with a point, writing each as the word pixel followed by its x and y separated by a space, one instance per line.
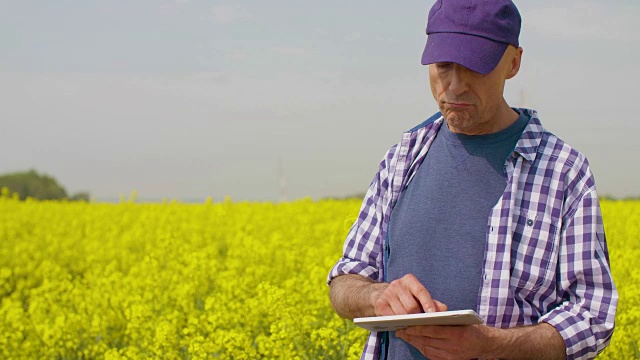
pixel 515 63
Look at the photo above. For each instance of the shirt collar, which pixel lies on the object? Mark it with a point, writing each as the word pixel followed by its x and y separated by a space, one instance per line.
pixel 527 146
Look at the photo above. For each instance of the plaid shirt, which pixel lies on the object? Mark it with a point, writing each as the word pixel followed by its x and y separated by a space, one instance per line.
pixel 546 257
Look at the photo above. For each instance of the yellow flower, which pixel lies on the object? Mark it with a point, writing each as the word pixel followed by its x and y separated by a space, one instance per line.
pixel 228 280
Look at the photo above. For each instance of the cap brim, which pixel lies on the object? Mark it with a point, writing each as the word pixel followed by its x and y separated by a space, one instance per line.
pixel 473 52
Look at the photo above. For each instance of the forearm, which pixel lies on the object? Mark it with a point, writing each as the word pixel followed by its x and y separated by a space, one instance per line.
pixel 541 341
pixel 352 296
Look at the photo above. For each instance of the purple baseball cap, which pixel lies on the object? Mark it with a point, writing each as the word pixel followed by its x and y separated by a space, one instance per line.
pixel 472 33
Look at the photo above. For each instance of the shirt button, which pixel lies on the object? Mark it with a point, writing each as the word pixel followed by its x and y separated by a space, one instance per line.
pixel 530 222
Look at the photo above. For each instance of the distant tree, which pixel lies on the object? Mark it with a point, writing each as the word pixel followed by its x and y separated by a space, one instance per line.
pixel 38 186
pixel 356 196
pixel 81 196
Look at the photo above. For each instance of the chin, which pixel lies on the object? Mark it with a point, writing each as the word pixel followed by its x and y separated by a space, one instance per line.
pixel 461 122
pixel 457 118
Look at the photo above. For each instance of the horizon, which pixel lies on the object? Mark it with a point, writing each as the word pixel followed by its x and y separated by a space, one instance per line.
pixel 281 100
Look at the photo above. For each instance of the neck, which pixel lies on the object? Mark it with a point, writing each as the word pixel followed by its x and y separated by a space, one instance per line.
pixel 505 117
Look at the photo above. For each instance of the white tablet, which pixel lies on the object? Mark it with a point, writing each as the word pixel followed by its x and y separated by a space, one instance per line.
pixel 396 322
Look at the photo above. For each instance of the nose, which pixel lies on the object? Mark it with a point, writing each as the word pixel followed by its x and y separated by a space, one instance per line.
pixel 458 81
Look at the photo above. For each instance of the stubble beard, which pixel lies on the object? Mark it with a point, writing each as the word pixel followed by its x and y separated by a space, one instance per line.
pixel 459 121
pixel 473 121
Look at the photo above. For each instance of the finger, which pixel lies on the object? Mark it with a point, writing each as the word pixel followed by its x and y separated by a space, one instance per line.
pixel 409 302
pixel 419 292
pixel 424 340
pixel 400 299
pixel 428 331
pixel 440 306
pixel 386 304
pixel 419 342
pixel 383 309
pixel 429 347
pixel 435 331
pixel 397 304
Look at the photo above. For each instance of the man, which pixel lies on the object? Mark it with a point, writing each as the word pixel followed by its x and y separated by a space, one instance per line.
pixel 480 208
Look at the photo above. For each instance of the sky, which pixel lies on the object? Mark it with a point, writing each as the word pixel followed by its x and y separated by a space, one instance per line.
pixel 187 99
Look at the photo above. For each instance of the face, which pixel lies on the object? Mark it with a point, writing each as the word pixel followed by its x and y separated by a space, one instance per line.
pixel 473 103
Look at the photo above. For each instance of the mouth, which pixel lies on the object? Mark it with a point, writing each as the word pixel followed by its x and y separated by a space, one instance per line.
pixel 458 105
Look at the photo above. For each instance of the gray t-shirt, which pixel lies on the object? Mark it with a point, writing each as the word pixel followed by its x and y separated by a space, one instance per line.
pixel 437 230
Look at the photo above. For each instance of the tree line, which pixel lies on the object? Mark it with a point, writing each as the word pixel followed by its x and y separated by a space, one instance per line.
pixel 38 186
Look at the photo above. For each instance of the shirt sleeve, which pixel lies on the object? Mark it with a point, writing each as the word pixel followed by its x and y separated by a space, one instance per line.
pixel 363 248
pixel 585 317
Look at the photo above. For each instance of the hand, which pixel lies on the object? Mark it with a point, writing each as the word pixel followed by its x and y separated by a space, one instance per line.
pixel 452 342
pixel 404 296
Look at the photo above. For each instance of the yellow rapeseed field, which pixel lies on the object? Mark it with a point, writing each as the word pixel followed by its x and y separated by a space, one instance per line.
pixel 228 280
